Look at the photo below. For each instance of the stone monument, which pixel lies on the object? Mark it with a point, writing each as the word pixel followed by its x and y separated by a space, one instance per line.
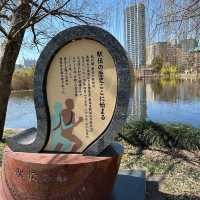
pixel 81 94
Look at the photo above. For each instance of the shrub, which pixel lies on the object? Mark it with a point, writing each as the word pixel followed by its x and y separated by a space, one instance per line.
pixel 169 70
pixel 148 133
pixel 23 79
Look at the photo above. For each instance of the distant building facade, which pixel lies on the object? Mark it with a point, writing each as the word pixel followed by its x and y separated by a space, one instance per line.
pixel 187 57
pixel 135 37
pixel 185 54
pixel 28 62
pixel 164 50
pixel 188 45
pixel 196 53
pixel 171 55
pixel 157 49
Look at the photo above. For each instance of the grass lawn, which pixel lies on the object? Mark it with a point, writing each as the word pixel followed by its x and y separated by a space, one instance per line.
pixel 178 171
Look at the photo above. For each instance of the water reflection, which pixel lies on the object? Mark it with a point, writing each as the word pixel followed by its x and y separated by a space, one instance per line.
pixel 166 101
pixel 137 104
pixel 174 90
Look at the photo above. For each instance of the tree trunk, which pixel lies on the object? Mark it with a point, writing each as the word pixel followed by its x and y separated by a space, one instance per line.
pixel 9 53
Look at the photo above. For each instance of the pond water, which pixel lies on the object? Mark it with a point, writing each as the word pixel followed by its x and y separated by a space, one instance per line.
pixel 21 111
pixel 166 101
pixel 160 100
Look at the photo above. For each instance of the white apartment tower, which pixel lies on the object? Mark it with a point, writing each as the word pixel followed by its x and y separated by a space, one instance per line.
pixel 135 39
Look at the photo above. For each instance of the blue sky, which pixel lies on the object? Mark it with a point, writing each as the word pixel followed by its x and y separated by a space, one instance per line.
pixel 112 9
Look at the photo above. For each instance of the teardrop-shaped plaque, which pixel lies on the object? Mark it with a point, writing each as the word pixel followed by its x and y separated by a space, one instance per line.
pixel 81 94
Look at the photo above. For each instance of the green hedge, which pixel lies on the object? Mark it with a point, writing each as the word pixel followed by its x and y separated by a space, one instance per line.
pixel 148 133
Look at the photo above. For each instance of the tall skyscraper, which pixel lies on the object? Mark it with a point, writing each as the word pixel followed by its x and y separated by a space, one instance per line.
pixel 135 39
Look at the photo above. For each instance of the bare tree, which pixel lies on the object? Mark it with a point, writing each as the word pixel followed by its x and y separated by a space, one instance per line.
pixel 180 17
pixel 17 16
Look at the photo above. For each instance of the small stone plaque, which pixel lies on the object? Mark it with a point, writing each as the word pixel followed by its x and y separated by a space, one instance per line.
pixel 81 93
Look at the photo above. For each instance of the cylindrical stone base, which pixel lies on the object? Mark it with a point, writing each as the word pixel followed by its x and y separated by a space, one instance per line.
pixel 41 176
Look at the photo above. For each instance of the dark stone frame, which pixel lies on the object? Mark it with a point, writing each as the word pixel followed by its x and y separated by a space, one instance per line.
pixel 33 140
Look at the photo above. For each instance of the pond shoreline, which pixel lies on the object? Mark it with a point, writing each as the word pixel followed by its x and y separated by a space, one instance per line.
pixel 19 91
pixel 15 130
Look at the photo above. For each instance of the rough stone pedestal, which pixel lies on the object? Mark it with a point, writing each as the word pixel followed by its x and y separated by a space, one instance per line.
pixel 41 176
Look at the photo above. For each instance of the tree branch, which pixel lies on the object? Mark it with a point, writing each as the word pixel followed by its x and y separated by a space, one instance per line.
pixel 2 30
pixel 34 35
pixel 58 12
pixel 2 4
pixel 5 17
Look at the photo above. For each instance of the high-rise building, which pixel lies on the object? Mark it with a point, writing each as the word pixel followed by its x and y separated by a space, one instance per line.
pixel 135 39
